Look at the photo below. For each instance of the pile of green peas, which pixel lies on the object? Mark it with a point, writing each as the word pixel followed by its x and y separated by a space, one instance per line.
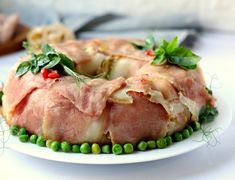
pixel 95 148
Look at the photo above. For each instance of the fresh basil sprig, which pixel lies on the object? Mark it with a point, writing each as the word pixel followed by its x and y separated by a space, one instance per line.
pixel 207 113
pixel 149 43
pixel 170 52
pixel 48 58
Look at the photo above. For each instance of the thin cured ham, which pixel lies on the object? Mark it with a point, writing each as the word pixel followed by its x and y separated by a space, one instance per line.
pixel 135 101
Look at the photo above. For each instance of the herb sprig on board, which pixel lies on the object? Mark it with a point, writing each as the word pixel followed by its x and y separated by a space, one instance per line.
pixel 169 52
pixel 48 59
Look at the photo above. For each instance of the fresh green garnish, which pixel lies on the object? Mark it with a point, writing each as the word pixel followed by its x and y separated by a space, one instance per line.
pixel 85 148
pixel 33 138
pixel 49 59
pixel 207 113
pixel 22 131
pixel 128 148
pixel 40 141
pixel 161 143
pixel 117 149
pixel 170 52
pixel 149 43
pixel 65 146
pixel 14 130
pixel 75 148
pixel 142 146
pixel 151 144
pixel 24 137
pixel 95 148
pixel 55 146
pixel 106 149
pixel 209 91
pixel 1 95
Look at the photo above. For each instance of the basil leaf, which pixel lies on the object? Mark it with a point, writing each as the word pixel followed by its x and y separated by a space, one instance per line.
pixel 160 57
pixel 163 43
pixel 73 74
pixel 137 46
pixel 23 68
pixel 1 95
pixel 47 49
pixel 66 61
pixel 183 58
pixel 149 42
pixel 172 45
pixel 42 60
pixel 54 60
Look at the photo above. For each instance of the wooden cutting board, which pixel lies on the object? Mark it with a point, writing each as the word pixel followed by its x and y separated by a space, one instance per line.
pixel 15 43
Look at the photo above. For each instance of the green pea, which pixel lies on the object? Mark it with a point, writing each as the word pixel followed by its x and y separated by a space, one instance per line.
pixel 185 133
pixel 106 149
pixel 65 146
pixel 33 138
pixel 14 130
pixel 85 148
pixel 22 131
pixel 76 148
pixel 190 129
pixel 24 137
pixel 196 125
pixel 142 146
pixel 95 148
pixel 128 148
pixel 48 143
pixel 151 144
pixel 40 141
pixel 161 143
pixel 178 137
pixel 55 146
pixel 117 149
pixel 168 140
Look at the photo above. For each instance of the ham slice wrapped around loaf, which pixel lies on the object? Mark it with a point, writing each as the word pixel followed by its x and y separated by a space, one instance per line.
pixel 137 101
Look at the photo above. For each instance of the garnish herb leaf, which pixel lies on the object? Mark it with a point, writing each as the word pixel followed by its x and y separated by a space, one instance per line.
pixel 208 113
pixel 54 60
pixel 46 49
pixel 48 58
pixel 160 58
pixel 72 73
pixel 171 53
pixel 23 68
pixel 171 46
pixel 149 42
pixel 1 95
pixel 66 61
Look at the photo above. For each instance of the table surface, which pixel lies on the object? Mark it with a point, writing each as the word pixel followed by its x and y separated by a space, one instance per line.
pixel 217 50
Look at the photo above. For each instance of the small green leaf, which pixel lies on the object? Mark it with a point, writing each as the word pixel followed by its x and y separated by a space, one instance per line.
pixel 137 45
pixel 172 45
pixel 66 61
pixel 160 57
pixel 54 60
pixel 26 45
pixel 149 42
pixel 184 58
pixel 1 95
pixel 23 68
pixel 73 74
pixel 47 49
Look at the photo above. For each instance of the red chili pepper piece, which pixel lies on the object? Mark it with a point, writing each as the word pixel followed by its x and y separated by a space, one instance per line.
pixel 149 52
pixel 45 72
pixel 54 74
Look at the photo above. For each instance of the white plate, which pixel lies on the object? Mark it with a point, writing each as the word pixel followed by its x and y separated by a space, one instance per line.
pixel 195 141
